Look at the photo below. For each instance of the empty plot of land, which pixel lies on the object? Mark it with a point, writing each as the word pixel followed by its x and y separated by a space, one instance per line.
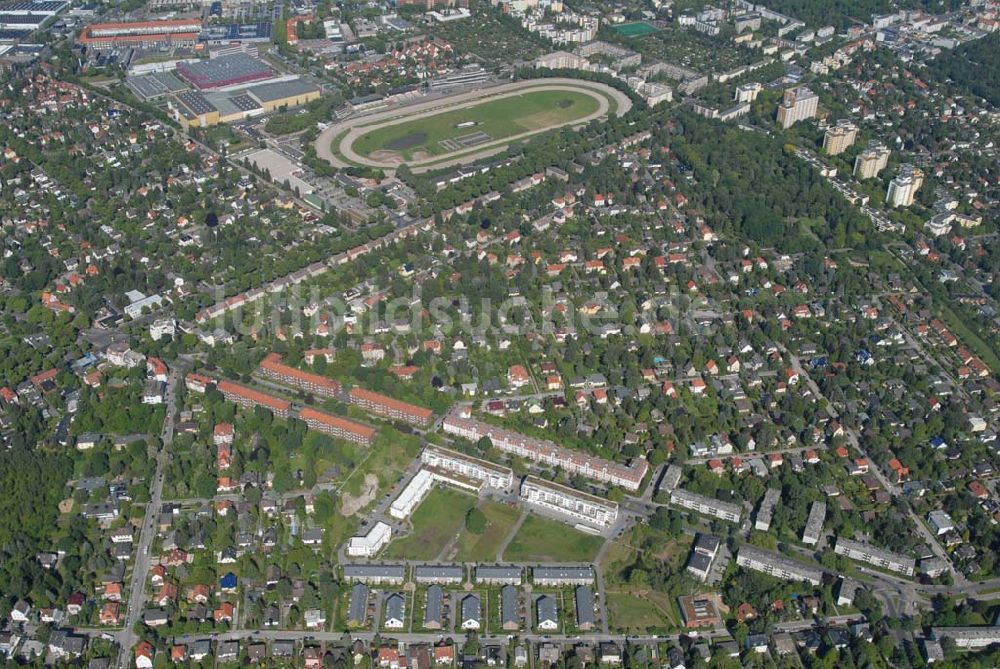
pixel 544 540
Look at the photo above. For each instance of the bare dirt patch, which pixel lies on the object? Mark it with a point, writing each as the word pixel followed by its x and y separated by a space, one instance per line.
pixel 350 505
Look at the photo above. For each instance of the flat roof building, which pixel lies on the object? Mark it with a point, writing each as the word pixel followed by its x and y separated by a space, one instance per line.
pixel 371 543
pixel 706 505
pixel 879 557
pixel 494 476
pixel 968 637
pixel 777 565
pixel 799 104
pixel 228 70
pixel 569 503
pixel 699 611
pixel 410 497
pixel 703 553
pixel 871 161
pixel 765 512
pixel 141 34
pixel 814 524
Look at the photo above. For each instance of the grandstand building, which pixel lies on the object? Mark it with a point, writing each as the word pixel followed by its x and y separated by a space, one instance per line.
pixel 144 34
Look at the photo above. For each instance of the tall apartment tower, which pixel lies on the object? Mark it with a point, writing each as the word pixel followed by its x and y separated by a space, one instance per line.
pixel 904 186
pixel 871 161
pixel 839 137
pixel 799 104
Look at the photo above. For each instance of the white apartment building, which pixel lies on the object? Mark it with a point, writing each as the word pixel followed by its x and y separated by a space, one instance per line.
pixel 370 544
pixel 706 505
pixel 799 104
pixel 491 475
pixel 871 161
pixel 814 525
pixel 567 502
pixel 765 512
pixel 862 552
pixel 411 496
pixel 904 186
pixel 777 565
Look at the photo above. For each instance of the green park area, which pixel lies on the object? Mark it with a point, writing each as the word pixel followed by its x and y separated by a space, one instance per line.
pixel 466 128
pixel 500 520
pixel 639 612
pixel 544 540
pixel 435 523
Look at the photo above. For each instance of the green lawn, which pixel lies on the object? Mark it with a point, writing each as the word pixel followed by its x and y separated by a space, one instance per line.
pixel 435 522
pixel 500 518
pixel 501 118
pixel 544 540
pixel 628 612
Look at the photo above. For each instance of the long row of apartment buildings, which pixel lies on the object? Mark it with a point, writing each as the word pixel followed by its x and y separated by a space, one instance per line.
pixel 459 422
pixel 272 368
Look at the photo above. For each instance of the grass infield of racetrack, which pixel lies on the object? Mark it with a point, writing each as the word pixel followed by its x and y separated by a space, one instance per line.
pixel 504 117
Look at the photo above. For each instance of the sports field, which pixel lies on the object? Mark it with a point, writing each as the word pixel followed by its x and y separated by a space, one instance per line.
pixel 635 29
pixel 466 128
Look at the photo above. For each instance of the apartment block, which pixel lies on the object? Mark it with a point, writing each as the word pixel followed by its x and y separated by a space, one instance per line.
pixel 871 161
pixel 799 104
pixel 335 426
pixel 370 544
pixel 491 475
pixel 569 503
pixel 839 137
pixel 274 369
pixel 706 505
pixel 765 512
pixel 814 525
pixel 249 398
pixel 869 554
pixel 778 566
pixel 388 407
pixel 904 186
pixel 458 423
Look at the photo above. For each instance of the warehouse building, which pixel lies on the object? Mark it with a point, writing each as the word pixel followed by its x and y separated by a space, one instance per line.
pixel 230 70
